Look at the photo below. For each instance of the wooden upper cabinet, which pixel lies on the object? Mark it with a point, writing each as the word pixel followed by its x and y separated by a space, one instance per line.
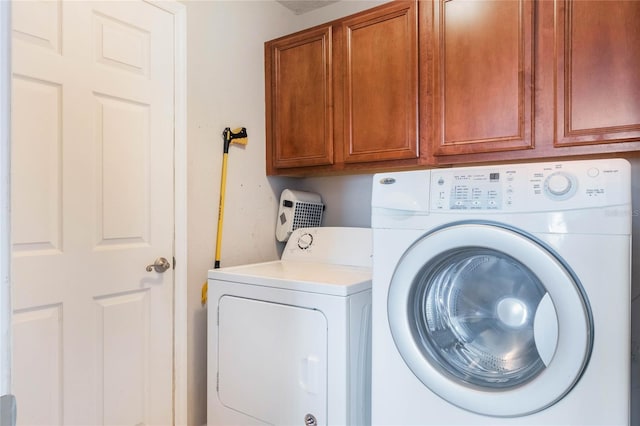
pixel 440 82
pixel 597 72
pixel 378 82
pixel 299 100
pixel 483 76
pixel 343 97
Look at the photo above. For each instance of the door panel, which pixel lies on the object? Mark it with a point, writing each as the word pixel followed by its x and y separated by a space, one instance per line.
pixel 123 322
pixel 483 77
pixel 92 163
pixel 39 226
pixel 40 330
pixel 597 62
pixel 299 96
pixel 124 127
pixel 379 63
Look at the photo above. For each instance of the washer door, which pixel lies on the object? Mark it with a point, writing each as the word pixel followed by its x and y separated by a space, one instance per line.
pixel 490 319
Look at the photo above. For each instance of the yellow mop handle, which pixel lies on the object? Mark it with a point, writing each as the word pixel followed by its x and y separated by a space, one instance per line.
pixel 223 185
pixel 240 137
pixel 205 287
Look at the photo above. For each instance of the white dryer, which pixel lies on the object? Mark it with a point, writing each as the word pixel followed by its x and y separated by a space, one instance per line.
pixel 501 295
pixel 289 341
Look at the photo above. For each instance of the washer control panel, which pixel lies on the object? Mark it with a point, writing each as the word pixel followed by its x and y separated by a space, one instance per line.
pixel 472 190
pixel 530 187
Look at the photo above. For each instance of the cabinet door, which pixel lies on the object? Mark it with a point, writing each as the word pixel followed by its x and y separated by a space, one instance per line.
pixel 299 100
pixel 483 76
pixel 379 83
pixel 597 72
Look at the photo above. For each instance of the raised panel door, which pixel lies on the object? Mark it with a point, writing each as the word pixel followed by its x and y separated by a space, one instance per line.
pixel 596 72
pixel 92 184
pixel 379 72
pixel 483 76
pixel 299 100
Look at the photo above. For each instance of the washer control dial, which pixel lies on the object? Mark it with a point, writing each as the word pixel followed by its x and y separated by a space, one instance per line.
pixel 560 186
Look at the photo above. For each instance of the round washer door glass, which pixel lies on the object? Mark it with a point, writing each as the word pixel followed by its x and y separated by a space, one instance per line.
pixel 475 309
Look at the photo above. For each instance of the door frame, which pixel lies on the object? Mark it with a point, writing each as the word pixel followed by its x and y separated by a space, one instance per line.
pixel 5 198
pixel 178 11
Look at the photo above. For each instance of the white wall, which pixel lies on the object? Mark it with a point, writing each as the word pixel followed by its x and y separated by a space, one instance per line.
pixel 331 12
pixel 225 88
pixel 347 199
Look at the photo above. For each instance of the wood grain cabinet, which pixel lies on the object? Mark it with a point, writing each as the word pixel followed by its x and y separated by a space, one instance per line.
pixel 378 81
pixel 519 80
pixel 343 97
pixel 482 76
pixel 299 100
pixel 597 73
pixel 441 82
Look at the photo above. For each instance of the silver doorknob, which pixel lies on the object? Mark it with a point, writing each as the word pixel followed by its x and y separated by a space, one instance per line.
pixel 160 265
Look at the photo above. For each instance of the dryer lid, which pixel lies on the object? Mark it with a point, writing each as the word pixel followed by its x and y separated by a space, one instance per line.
pixel 312 277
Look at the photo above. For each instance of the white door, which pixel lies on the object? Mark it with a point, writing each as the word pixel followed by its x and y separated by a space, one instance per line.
pixel 92 194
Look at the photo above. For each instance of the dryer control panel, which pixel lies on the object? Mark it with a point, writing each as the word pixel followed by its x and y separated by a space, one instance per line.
pixel 531 187
pixel 333 245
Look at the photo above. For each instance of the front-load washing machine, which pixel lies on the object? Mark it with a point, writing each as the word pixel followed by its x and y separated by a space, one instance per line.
pixel 501 295
pixel 289 341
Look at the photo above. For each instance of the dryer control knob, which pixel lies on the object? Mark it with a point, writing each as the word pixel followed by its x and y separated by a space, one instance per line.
pixel 305 241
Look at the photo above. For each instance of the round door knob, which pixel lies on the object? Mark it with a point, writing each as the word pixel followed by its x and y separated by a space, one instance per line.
pixel 160 265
